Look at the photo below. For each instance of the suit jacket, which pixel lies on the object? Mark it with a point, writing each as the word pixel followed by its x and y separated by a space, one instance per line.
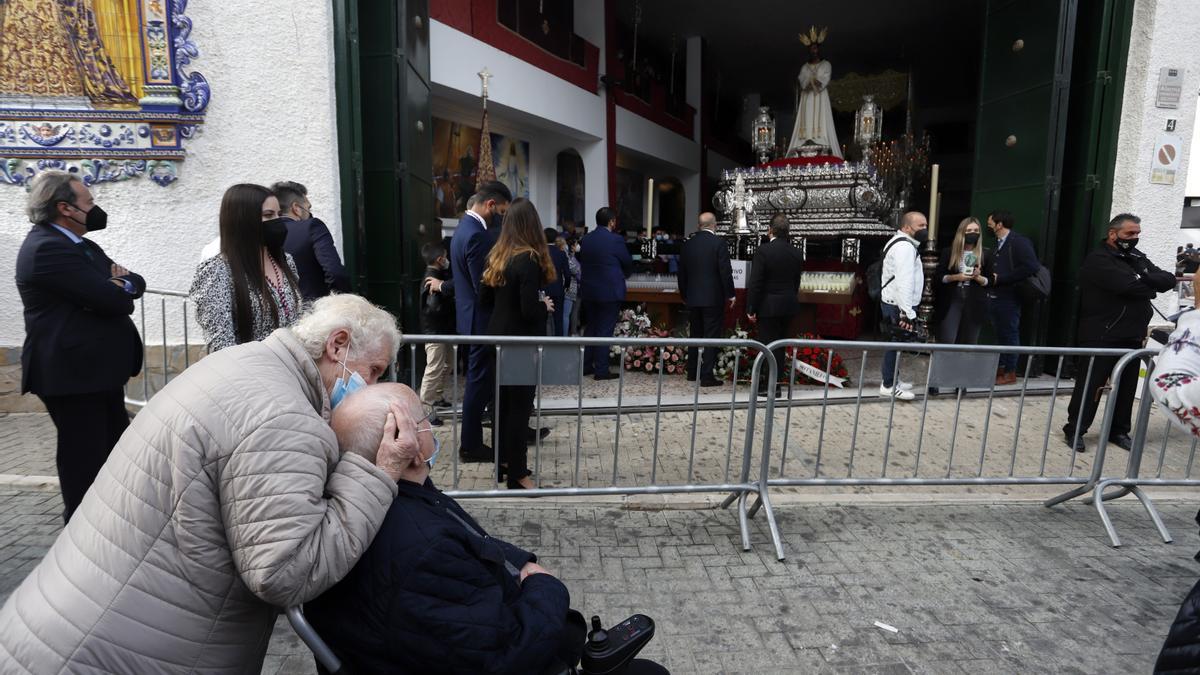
pixel 79 338
pixel 705 275
pixel 317 261
pixel 605 264
pixel 775 280
pixel 1016 261
pixel 515 307
pixel 557 289
pixel 468 256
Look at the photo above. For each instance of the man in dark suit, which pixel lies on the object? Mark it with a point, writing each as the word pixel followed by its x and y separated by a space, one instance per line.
pixel 772 292
pixel 80 344
pixel 310 243
pixel 476 233
pixel 1015 261
pixel 706 284
pixel 604 263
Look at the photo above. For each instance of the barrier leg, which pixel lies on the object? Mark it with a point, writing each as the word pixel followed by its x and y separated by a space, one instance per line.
pixel 316 645
pixel 729 500
pixel 743 522
pixel 756 506
pixel 1068 495
pixel 1120 492
pixel 1108 526
pixel 1153 513
pixel 765 500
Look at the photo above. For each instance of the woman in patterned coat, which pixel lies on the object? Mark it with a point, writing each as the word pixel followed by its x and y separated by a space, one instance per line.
pixel 252 287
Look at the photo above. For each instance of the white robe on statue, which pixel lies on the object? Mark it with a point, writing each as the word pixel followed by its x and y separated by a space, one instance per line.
pixel 814 115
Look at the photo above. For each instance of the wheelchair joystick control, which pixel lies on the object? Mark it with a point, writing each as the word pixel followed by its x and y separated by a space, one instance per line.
pixel 598 637
pixel 609 651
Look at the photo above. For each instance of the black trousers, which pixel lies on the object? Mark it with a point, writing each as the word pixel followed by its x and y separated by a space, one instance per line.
pixel 770 329
pixel 704 322
pixel 1081 418
pixel 515 406
pixel 88 425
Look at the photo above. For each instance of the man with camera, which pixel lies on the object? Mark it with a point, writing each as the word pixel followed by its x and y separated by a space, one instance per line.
pixel 902 278
pixel 1117 283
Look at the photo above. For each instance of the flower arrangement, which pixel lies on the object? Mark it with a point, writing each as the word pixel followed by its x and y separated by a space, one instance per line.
pixel 817 357
pixel 633 322
pixel 728 356
pixel 646 359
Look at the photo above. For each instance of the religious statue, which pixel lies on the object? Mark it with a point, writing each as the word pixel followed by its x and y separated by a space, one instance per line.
pixel 814 114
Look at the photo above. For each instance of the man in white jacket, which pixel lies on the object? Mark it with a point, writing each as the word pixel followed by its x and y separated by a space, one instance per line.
pixel 902 279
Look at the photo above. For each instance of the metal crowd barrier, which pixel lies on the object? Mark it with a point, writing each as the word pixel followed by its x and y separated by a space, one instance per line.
pixel 1170 460
pixel 547 362
pixel 172 323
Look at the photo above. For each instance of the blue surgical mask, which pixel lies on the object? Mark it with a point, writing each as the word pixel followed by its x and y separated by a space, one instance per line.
pixel 437 448
pixel 349 383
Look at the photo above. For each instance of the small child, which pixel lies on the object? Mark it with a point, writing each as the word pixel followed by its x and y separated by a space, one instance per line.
pixel 437 318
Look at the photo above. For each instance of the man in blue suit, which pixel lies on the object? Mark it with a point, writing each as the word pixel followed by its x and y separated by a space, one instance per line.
pixel 310 244
pixel 477 232
pixel 80 344
pixel 1015 261
pixel 605 263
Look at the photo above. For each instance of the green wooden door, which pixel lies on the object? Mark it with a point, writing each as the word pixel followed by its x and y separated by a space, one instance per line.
pixel 1021 121
pixel 386 153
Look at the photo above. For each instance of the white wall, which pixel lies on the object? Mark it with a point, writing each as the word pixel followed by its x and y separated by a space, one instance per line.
pixel 1163 35
pixel 272 117
pixel 1193 179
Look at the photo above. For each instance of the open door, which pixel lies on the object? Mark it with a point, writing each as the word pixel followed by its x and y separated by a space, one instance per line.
pixel 1021 124
pixel 385 137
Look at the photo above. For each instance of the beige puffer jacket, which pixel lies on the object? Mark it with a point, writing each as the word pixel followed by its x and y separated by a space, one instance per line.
pixel 226 498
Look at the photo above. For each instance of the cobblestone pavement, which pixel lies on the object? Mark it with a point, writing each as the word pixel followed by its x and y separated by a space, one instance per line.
pixel 968 587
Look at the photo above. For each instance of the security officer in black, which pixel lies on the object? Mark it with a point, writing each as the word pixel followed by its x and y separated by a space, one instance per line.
pixel 1117 283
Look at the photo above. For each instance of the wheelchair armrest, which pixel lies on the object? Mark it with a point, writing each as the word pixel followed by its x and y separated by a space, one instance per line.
pixel 316 645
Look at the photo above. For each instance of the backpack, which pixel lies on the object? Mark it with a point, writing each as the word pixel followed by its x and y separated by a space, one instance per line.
pixel 875 284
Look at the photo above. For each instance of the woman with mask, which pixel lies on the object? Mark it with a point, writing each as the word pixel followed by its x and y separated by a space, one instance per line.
pixel 518 268
pixel 251 288
pixel 962 274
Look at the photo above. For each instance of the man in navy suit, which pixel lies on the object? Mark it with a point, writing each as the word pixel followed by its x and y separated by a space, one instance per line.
pixel 310 243
pixel 1015 261
pixel 604 263
pixel 706 284
pixel 80 344
pixel 477 232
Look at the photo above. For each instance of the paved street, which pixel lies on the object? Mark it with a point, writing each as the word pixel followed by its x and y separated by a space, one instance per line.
pixel 969 587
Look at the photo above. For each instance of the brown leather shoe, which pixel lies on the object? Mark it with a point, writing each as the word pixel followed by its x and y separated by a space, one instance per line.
pixel 1005 378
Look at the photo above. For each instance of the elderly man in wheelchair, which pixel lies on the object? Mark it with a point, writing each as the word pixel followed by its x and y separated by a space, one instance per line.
pixel 435 594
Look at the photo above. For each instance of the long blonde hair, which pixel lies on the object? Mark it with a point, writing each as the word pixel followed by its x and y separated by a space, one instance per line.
pixel 520 233
pixel 956 249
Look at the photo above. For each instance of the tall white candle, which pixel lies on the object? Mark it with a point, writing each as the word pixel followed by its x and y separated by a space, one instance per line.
pixel 933 204
pixel 650 208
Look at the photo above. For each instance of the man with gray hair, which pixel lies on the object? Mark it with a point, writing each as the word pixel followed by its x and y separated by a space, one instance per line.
pixel 80 345
pixel 225 500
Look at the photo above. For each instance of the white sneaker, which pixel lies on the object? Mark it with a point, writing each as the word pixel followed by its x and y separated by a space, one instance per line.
pixel 896 393
pixel 906 386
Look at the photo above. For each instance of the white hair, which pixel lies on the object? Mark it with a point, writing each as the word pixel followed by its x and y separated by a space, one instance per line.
pixel 358 422
pixel 370 327
pixel 47 190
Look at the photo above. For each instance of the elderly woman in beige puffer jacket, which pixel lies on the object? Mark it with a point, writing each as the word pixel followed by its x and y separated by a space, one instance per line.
pixel 225 499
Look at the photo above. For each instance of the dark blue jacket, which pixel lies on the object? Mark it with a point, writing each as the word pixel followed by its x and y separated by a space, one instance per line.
pixel 469 248
pixel 604 265
pixel 317 261
pixel 1016 261
pixel 435 594
pixel 557 289
pixel 79 338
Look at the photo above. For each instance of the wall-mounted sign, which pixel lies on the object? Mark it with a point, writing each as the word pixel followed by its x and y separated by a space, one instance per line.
pixel 1166 159
pixel 1170 87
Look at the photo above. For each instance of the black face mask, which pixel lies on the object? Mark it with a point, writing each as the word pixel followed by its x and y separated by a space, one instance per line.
pixel 96 219
pixel 1126 245
pixel 921 235
pixel 274 232
pixel 971 238
pixel 497 220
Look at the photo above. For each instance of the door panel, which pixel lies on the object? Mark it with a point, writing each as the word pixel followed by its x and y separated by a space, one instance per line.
pixel 1021 121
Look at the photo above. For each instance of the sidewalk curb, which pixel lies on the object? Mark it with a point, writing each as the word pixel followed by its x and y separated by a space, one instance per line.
pixel 12 480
